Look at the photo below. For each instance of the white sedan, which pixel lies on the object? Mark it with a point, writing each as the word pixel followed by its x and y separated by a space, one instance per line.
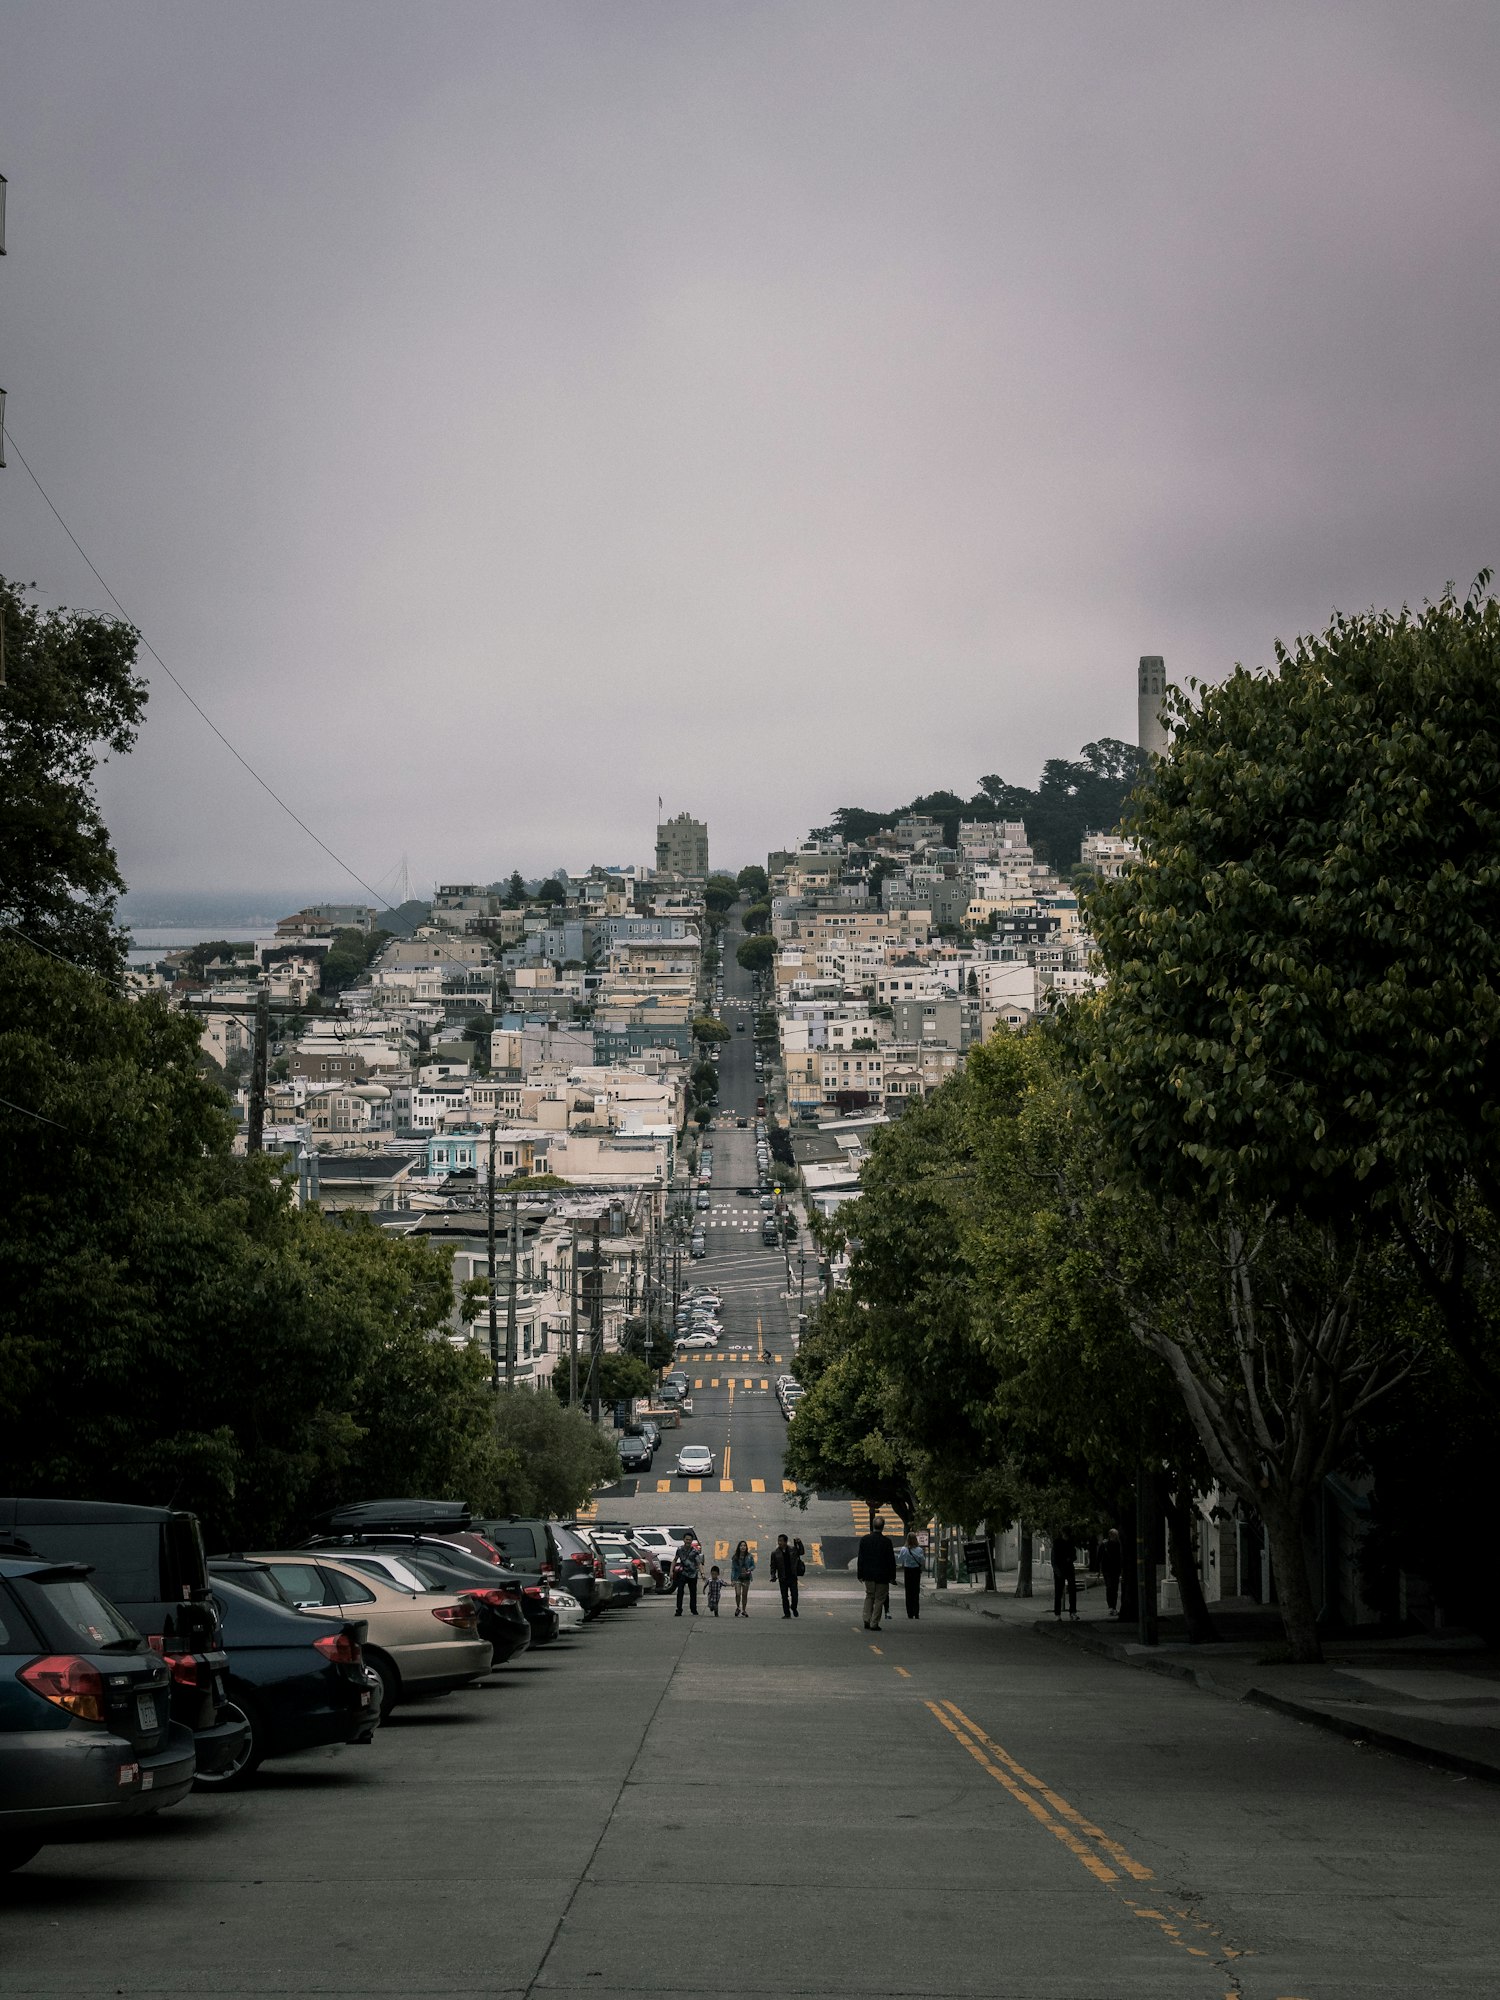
pixel 695 1461
pixel 697 1340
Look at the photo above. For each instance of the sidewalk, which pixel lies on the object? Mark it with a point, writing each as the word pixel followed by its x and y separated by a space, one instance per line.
pixel 1429 1697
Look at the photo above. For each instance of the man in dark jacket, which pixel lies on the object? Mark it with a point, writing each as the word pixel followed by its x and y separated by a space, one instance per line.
pixel 784 1561
pixel 1111 1563
pixel 685 1568
pixel 1064 1573
pixel 876 1570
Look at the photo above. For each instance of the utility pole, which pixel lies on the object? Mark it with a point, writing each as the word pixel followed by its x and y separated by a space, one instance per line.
pixel 515 1259
pixel 494 1330
pixel 1145 1553
pixel 596 1330
pixel 255 1138
pixel 573 1322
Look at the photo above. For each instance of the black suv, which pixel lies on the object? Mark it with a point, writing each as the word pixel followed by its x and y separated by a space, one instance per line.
pixel 546 1548
pixel 149 1561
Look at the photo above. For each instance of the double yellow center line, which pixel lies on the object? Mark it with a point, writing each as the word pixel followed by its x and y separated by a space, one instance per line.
pixel 1062 1820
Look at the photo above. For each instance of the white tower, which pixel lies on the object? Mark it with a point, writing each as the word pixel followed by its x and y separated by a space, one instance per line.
pixel 1151 732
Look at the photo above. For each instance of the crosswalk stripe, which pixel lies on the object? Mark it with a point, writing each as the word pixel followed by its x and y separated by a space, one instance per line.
pixel 726 1485
pixel 695 1486
pixel 788 1485
pixel 757 1486
pixel 663 1485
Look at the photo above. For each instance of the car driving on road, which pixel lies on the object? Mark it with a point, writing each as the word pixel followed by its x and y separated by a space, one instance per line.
pixel 694 1461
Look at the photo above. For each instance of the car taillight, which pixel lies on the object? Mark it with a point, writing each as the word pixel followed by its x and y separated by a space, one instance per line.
pixel 340 1648
pixel 454 1614
pixel 70 1683
pixel 483 1594
pixel 547 1573
pixel 184 1669
pixel 532 1590
pixel 598 1565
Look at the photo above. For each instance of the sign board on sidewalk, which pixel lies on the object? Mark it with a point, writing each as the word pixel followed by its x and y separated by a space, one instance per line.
pixel 977 1558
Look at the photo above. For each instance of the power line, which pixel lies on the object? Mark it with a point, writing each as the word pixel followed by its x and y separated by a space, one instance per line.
pixel 381 903
pixel 26 1113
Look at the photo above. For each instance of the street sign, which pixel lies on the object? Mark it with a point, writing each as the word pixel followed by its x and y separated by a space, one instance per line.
pixel 977 1559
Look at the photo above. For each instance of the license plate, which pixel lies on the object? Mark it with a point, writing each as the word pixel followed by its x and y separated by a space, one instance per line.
pixel 145 1708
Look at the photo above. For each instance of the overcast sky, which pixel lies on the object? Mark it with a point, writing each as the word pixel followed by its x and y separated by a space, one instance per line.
pixel 500 415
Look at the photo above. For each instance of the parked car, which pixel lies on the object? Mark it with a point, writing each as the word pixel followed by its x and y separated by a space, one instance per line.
pixel 436 1568
pixel 446 1520
pixel 569 1611
pixel 651 1432
pixel 620 1566
pixel 86 1728
pixel 149 1563
pixel 677 1379
pixel 297 1688
pixel 694 1461
pixel 661 1545
pixel 635 1454
pixel 550 1553
pixel 697 1340
pixel 697 1247
pixel 418 1645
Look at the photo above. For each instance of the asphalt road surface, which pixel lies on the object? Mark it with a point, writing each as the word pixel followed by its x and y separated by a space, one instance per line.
pixel 704 1806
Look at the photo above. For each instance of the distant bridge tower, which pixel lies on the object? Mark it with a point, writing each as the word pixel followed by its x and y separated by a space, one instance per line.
pixel 1151 730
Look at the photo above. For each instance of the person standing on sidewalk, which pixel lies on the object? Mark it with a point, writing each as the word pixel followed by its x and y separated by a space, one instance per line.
pixel 785 1566
pixel 876 1570
pixel 1111 1564
pixel 1064 1573
pixel 910 1562
pixel 741 1571
pixel 686 1571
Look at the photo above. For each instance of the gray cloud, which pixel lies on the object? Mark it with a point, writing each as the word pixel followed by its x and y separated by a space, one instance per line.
pixel 500 415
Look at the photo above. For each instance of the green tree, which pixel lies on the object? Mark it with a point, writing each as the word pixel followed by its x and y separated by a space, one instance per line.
pixel 842 1437
pixel 70 695
pixel 1304 981
pixel 552 1458
pixel 707 1029
pixel 621 1376
pixel 551 891
pixel 753 882
pixel 754 954
pixel 757 919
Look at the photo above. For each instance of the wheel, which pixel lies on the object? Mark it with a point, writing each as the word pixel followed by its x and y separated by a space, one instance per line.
pixel 245 1765
pixel 385 1672
pixel 15 1853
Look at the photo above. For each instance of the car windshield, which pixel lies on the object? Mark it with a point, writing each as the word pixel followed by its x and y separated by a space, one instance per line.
pixel 92 1620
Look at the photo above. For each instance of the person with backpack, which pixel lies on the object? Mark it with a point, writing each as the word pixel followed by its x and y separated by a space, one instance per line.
pixel 786 1566
pixel 687 1566
pixel 876 1570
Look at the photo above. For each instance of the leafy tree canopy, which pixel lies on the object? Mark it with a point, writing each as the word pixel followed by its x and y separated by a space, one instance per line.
pixel 753 882
pixel 552 1458
pixel 756 953
pixel 71 695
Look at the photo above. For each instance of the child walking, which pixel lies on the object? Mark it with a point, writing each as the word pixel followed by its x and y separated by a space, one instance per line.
pixel 715 1589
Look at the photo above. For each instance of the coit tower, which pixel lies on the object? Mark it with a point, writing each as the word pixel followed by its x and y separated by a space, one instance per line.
pixel 1151 731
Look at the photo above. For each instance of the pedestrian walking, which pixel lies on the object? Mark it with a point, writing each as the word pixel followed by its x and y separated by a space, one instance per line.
pixel 911 1562
pixel 715 1589
pixel 1111 1566
pixel 876 1570
pixel 687 1567
pixel 786 1566
pixel 741 1570
pixel 1064 1574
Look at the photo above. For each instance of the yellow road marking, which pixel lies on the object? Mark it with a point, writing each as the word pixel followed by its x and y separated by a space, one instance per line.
pixel 878 1649
pixel 757 1486
pixel 788 1485
pixel 726 1485
pixel 714 1384
pixel 765 1382
pixel 903 1673
pixel 1034 1806
pixel 663 1485
pixel 727 1449
pixel 1059 1805
pixel 695 1486
pixel 721 1549
pixel 817 1555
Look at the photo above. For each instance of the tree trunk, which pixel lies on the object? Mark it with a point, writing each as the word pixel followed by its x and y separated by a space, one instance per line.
pixel 1200 1625
pixel 1130 1582
pixel 1023 1562
pixel 1294 1596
